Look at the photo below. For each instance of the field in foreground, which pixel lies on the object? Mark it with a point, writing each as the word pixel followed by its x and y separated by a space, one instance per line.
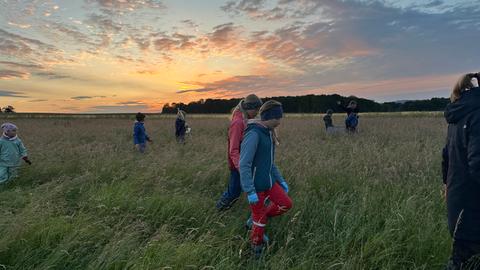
pixel 370 201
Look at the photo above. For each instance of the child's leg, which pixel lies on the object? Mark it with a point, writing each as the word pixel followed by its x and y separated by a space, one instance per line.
pixel 4 175
pixel 279 201
pixel 259 217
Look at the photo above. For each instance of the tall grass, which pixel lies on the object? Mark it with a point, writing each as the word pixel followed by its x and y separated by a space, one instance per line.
pixel 369 201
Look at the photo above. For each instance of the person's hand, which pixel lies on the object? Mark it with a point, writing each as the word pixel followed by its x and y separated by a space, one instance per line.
pixel 284 185
pixel 252 198
pixel 27 160
pixel 150 140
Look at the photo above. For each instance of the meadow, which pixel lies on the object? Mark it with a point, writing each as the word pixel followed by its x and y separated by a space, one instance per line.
pixel 369 201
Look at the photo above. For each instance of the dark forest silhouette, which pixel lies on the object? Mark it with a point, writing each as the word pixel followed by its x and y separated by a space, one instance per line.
pixel 311 104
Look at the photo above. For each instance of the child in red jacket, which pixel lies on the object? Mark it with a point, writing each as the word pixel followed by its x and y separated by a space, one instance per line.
pixel 246 109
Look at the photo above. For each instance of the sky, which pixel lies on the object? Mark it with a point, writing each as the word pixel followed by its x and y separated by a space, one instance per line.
pixel 103 56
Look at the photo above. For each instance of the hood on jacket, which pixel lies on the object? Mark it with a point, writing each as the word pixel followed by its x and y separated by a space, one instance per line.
pixel 468 102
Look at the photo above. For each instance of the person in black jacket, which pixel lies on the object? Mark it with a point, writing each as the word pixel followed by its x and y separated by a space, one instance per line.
pixel 461 169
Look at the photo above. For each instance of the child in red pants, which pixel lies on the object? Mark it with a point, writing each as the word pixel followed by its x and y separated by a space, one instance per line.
pixel 265 187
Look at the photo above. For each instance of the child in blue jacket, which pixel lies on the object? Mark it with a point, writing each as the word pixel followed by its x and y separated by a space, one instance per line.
pixel 140 137
pixel 260 178
pixel 12 151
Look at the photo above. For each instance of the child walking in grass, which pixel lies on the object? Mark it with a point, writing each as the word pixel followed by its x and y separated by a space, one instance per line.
pixel 140 137
pixel 181 126
pixel 351 121
pixel 246 109
pixel 262 181
pixel 327 119
pixel 12 151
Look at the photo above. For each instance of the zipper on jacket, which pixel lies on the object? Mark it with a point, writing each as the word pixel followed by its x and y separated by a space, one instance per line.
pixel 271 160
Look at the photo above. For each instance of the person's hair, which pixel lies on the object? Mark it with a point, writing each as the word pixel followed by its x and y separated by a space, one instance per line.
pixel 352 102
pixel 252 98
pixel 463 83
pixel 240 109
pixel 181 114
pixel 329 111
pixel 140 117
pixel 268 105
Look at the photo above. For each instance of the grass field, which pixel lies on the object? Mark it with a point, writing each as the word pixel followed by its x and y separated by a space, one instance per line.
pixel 370 201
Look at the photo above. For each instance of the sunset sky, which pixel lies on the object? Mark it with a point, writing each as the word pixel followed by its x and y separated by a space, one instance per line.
pixel 136 55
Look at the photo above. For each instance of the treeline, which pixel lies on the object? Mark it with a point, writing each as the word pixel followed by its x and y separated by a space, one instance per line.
pixel 310 104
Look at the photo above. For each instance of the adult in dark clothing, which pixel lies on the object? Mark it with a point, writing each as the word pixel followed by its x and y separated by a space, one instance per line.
pixel 351 121
pixel 180 127
pixel 461 168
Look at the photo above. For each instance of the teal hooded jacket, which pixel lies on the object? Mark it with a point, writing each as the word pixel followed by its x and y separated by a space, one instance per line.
pixel 258 172
pixel 11 152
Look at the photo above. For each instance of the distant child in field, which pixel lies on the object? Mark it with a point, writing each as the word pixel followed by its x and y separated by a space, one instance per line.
pixel 351 121
pixel 262 181
pixel 181 126
pixel 140 137
pixel 328 120
pixel 12 151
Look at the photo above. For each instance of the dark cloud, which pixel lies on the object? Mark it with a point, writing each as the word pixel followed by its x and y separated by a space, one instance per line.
pixel 28 49
pixel 200 90
pixel 20 65
pixel 52 75
pixel 13 94
pixel 131 103
pixel 128 5
pixel 86 97
pixel 12 74
pixel 38 100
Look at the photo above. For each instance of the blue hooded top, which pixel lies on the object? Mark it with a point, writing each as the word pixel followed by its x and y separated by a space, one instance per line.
pixel 139 134
pixel 258 172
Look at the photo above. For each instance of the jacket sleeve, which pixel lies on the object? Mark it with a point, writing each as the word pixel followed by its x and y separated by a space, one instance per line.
pixel 473 149
pixel 22 149
pixel 249 148
pixel 277 175
pixel 445 164
pixel 235 135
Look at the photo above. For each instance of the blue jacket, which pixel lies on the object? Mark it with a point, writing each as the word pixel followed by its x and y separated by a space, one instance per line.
pixel 258 172
pixel 139 134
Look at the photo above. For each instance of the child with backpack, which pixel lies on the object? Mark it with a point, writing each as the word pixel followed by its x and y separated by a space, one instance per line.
pixel 140 137
pixel 12 151
pixel 261 180
pixel 180 126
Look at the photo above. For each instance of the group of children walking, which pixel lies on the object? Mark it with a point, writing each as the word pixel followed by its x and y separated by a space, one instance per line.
pixel 351 121
pixel 251 160
pixel 140 137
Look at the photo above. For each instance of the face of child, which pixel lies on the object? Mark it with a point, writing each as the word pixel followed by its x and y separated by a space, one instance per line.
pixel 252 113
pixel 272 123
pixel 11 133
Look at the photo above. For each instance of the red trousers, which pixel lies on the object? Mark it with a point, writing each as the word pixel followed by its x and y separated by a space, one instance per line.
pixel 278 203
